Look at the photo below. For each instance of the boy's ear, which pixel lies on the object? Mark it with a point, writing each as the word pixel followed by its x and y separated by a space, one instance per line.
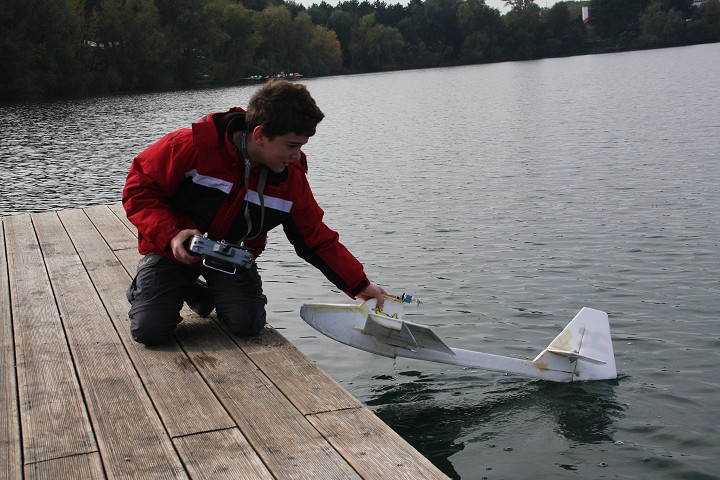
pixel 258 134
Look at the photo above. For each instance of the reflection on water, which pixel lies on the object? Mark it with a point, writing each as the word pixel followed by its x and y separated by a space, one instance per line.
pixel 584 412
pixel 434 413
pixel 507 197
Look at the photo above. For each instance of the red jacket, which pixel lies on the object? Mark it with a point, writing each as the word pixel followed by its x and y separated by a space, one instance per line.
pixel 193 178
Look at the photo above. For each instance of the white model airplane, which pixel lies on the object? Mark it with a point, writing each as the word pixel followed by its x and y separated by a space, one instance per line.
pixel 582 351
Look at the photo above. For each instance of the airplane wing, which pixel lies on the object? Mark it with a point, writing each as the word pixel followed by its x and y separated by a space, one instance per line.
pixel 404 334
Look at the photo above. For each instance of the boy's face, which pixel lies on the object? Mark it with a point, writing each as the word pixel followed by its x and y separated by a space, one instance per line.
pixel 279 152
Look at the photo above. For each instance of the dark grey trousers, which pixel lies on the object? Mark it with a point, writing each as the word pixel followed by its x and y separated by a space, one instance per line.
pixel 157 291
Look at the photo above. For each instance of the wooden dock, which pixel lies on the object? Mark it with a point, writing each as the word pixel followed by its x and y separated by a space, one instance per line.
pixel 80 399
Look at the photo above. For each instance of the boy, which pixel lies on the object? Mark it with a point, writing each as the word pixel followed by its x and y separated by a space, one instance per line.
pixel 235 175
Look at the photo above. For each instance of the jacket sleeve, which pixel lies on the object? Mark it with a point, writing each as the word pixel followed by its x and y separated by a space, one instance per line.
pixel 320 246
pixel 152 180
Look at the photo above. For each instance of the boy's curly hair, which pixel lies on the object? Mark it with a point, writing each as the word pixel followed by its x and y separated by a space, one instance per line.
pixel 282 107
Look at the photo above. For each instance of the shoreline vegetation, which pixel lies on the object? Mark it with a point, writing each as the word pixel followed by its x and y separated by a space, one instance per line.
pixel 73 48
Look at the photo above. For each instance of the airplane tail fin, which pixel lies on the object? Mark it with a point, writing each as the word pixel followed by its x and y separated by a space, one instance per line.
pixel 586 343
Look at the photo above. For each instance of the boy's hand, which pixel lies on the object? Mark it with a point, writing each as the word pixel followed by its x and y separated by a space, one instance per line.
pixel 376 292
pixel 177 245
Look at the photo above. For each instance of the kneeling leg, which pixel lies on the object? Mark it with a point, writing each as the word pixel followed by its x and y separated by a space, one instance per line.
pixel 156 296
pixel 239 300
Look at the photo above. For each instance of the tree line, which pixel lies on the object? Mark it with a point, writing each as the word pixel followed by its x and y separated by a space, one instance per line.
pixel 51 48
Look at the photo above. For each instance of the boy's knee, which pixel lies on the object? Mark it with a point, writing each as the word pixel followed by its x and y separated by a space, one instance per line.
pixel 245 322
pixel 151 332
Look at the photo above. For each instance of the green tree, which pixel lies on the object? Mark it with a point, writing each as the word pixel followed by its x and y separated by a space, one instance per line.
pixel 321 12
pixel 234 55
pixel 41 48
pixel 524 24
pixel 58 47
pixel 342 23
pixel 564 33
pixel 390 15
pixel 275 26
pixel 357 9
pixel 376 46
pixel 433 26
pixel 260 5
pixel 660 27
pixel 18 59
pixel 132 45
pixel 303 30
pixel 521 5
pixel 482 29
pixel 193 31
pixel 617 21
pixel 684 6
pixel 326 53
pixel 315 49
pixel 704 26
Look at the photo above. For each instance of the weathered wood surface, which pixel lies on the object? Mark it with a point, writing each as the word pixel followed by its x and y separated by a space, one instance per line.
pixel 80 399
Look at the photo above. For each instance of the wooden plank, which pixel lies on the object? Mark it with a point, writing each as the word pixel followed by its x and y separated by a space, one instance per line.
pixel 371 447
pixel 129 257
pixel 119 212
pixel 88 466
pixel 117 235
pixel 132 440
pixel 10 456
pixel 129 260
pixel 308 388
pixel 221 454
pixel 281 435
pixel 183 399
pixel 54 420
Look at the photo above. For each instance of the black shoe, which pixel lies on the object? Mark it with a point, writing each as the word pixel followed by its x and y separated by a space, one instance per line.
pixel 199 299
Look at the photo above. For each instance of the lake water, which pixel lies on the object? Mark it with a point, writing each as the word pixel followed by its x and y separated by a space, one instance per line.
pixel 506 197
